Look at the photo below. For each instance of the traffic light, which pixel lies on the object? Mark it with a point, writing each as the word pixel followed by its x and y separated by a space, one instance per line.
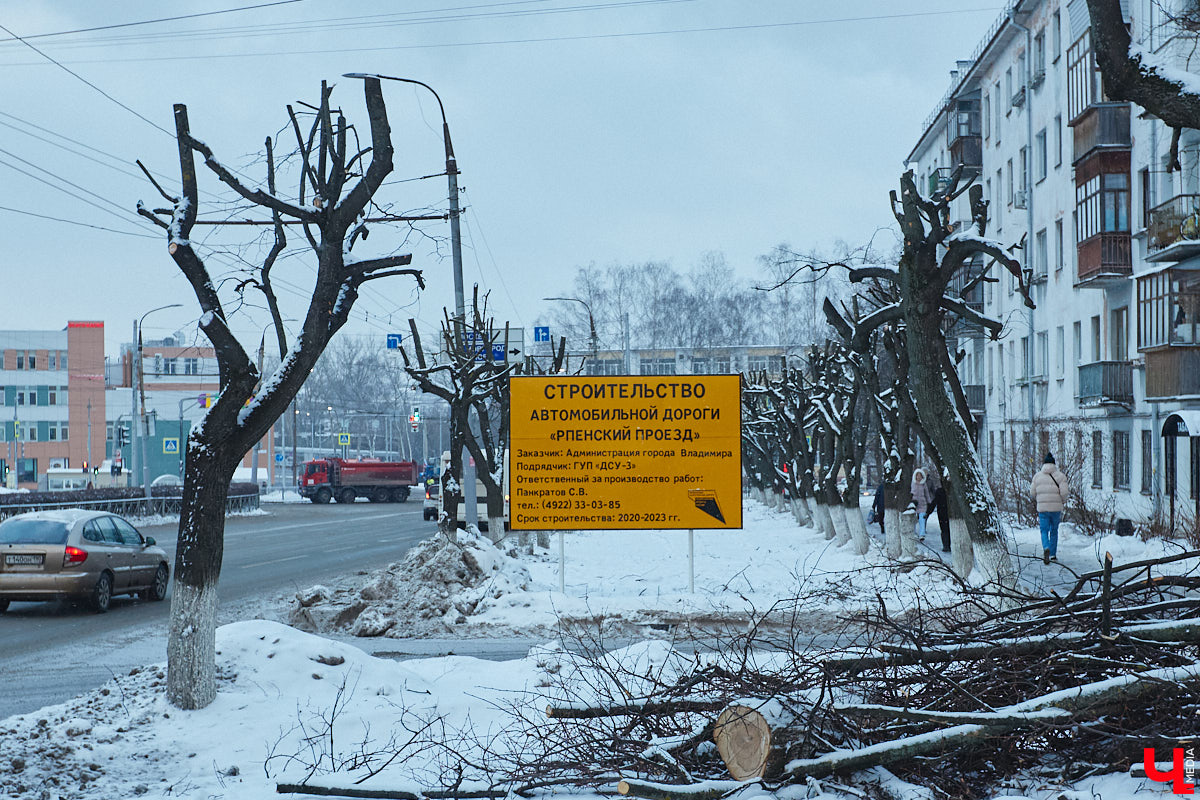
pixel 414 419
pixel 122 433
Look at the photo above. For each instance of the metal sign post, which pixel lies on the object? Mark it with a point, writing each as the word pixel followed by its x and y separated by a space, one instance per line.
pixel 691 562
pixel 562 564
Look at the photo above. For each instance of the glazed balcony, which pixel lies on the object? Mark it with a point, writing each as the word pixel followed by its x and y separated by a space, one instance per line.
pixel 1106 383
pixel 1101 126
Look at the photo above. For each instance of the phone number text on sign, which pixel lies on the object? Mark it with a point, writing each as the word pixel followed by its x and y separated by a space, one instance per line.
pixel 615 452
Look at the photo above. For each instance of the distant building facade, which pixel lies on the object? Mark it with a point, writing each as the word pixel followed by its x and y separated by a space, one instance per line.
pixel 52 402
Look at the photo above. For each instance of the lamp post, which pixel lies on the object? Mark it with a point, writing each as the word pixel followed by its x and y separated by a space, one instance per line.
pixel 460 311
pixel 139 400
pixel 591 322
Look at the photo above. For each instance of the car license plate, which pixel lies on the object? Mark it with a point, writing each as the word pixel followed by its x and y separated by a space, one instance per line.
pixel 25 560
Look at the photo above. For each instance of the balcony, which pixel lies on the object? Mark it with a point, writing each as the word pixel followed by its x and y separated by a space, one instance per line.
pixel 1173 373
pixel 1101 125
pixel 1104 260
pixel 968 151
pixel 1106 383
pixel 976 397
pixel 1173 233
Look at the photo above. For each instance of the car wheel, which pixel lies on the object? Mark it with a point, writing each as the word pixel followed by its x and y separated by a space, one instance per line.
pixel 401 494
pixel 322 495
pixel 3 606
pixel 346 496
pixel 102 593
pixel 158 589
pixel 379 496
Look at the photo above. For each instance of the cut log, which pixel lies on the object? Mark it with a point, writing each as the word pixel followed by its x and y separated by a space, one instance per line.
pixel 743 739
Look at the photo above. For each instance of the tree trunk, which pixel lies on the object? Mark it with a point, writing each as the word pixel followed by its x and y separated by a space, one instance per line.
pixel 940 418
pixel 824 520
pixel 780 502
pixel 891 531
pixel 837 513
pixel 857 525
pixel 962 553
pixel 191 637
pixel 908 535
pixel 495 528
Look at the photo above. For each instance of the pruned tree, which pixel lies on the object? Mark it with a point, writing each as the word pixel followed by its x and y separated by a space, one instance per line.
pixel 935 251
pixel 466 377
pixel 336 186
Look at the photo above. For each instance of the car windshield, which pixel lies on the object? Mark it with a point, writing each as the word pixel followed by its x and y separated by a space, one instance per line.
pixel 313 469
pixel 33 531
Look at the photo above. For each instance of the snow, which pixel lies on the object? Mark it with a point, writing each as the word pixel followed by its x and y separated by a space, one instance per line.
pixel 276 684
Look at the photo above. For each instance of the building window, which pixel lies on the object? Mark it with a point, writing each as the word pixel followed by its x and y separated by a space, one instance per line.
pixel 1058 140
pixel 1023 178
pixel 52 432
pixel 20 361
pixel 1097 460
pixel 657 366
pixel 1147 461
pixel 31 429
pixel 62 396
pixel 987 117
pixel 1060 353
pixel 1039 58
pixel 1041 258
pixel 1121 460
pixel 1058 246
pixel 191 366
pixel 1043 355
pixel 1039 155
pixel 62 359
pixel 1114 201
pixel 997 116
pixel 63 431
pixel 606 366
pixel 52 396
pixel 1144 185
pixel 1056 35
pixel 1119 322
pixel 52 360
pixel 1008 84
pixel 31 359
pixel 1095 339
pixel 170 366
pixel 1078 333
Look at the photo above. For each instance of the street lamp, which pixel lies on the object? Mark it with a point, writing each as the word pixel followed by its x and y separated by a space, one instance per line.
pixel 591 322
pixel 140 394
pixel 460 310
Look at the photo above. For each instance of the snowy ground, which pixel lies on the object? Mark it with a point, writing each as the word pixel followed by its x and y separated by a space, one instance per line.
pixel 278 686
pixel 281 496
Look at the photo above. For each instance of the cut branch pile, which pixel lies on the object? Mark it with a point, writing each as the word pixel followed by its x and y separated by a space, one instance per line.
pixel 947 699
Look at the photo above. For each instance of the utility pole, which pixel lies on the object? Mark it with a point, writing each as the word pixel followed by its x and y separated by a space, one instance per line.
pixel 295 425
pixel 258 444
pixel 142 423
pixel 135 436
pixel 88 458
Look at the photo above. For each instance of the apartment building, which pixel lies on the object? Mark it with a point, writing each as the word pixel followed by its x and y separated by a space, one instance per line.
pixel 179 380
pixel 52 405
pixel 1108 364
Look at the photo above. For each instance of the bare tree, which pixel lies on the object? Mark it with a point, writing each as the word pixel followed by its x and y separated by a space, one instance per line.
pixel 336 186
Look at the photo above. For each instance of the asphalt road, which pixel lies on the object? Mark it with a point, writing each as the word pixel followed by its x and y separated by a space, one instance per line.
pixel 296 546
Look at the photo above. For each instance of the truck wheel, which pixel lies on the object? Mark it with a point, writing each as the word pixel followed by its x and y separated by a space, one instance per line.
pixel 400 494
pixel 379 496
pixel 322 496
pixel 346 496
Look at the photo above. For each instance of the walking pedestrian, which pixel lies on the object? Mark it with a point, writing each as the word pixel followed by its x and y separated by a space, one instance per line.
pixel 877 509
pixel 942 506
pixel 922 499
pixel 1049 488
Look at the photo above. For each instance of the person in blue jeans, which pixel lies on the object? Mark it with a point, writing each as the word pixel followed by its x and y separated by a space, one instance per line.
pixel 1049 489
pixel 922 499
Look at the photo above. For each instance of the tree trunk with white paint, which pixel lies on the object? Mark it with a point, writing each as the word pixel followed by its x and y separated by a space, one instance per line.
pixel 891 532
pixel 962 552
pixel 837 513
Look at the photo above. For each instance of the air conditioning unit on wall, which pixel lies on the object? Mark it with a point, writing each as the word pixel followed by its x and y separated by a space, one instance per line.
pixel 1020 199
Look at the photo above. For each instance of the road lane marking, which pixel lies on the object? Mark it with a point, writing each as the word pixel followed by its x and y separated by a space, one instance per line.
pixel 273 561
pixel 327 523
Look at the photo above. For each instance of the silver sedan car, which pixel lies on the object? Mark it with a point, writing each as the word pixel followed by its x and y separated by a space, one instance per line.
pixel 79 555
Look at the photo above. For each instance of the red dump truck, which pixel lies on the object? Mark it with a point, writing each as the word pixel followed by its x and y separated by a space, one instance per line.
pixel 345 480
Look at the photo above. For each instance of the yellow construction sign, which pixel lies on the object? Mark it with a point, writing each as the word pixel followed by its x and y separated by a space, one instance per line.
pixel 625 452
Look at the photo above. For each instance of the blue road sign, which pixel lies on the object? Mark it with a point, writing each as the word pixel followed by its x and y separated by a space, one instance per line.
pixel 393 341
pixel 279 458
pixel 497 352
pixel 170 445
pixel 541 333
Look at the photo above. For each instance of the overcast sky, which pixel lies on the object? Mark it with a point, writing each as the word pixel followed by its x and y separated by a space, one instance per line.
pixel 586 131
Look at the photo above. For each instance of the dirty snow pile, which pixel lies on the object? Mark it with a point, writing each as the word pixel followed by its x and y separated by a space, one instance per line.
pixel 433 590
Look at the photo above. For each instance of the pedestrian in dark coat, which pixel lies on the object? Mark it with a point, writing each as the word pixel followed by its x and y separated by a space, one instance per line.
pixel 877 508
pixel 941 505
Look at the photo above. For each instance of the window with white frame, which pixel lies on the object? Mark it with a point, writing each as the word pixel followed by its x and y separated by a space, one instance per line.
pixel 1039 155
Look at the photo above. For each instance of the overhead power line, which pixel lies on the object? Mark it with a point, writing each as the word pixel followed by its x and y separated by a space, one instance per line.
pixel 151 21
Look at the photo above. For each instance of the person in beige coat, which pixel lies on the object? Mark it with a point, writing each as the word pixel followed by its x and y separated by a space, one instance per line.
pixel 1049 489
